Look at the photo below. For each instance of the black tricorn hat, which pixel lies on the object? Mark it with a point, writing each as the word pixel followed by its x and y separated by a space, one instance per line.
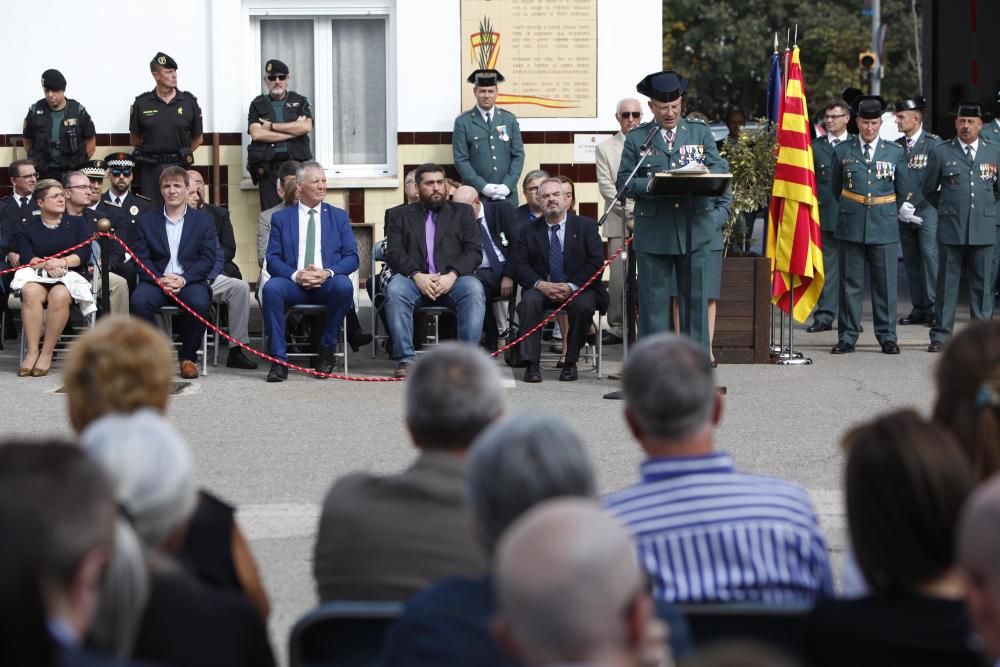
pixel 917 103
pixel 665 86
pixel 485 77
pixel 869 106
pixel 969 109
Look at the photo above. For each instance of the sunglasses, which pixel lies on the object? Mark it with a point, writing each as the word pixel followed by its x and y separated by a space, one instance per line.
pixel 630 114
pixel 121 172
pixel 277 77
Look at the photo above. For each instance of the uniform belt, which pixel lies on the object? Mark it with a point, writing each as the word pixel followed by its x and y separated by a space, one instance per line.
pixel 163 158
pixel 868 200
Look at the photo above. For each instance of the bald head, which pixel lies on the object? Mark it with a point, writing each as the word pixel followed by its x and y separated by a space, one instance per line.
pixel 569 584
pixel 466 194
pixel 979 558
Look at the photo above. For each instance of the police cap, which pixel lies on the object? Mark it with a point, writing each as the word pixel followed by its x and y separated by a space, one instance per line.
pixel 275 66
pixel 119 160
pixel 94 169
pixel 162 61
pixel 870 107
pixel 917 103
pixel 969 110
pixel 665 86
pixel 485 77
pixel 52 79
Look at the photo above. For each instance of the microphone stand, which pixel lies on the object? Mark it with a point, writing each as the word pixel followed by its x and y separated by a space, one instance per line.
pixel 644 150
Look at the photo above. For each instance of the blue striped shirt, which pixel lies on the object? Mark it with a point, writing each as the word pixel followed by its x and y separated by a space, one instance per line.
pixel 707 533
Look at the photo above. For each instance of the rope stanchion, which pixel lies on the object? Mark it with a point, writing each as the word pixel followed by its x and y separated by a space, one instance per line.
pixel 295 367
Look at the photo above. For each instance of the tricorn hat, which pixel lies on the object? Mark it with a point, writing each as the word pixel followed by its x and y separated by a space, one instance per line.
pixel 665 86
pixel 969 109
pixel 917 103
pixel 869 106
pixel 485 77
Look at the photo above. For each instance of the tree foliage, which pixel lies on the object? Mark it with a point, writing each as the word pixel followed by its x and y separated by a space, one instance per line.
pixel 723 48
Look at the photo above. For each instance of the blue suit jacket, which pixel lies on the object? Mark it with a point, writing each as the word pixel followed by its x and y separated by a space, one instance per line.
pixel 337 245
pixel 197 251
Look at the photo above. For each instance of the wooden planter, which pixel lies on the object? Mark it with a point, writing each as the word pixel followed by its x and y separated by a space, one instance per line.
pixel 743 320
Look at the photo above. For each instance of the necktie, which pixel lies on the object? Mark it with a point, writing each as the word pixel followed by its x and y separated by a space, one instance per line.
pixel 489 119
pixel 971 153
pixel 668 136
pixel 118 201
pixel 868 153
pixel 488 250
pixel 556 272
pixel 430 228
pixel 835 142
pixel 310 239
pixel 909 145
pixel 25 209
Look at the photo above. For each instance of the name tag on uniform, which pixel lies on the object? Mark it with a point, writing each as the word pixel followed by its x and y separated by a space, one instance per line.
pixel 502 133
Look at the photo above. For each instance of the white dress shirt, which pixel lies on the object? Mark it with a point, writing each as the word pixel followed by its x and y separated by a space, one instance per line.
pixel 302 261
pixel 486 258
pixel 832 139
pixel 174 230
pixel 965 147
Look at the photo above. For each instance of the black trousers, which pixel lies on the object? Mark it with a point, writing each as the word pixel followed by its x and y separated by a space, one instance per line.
pixel 531 311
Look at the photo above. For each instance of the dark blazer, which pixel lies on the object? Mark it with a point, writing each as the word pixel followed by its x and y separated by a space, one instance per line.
pixel 583 255
pixel 10 217
pixel 338 248
pixel 197 248
pixel 505 225
pixel 131 207
pixel 458 244
pixel 115 251
pixel 227 239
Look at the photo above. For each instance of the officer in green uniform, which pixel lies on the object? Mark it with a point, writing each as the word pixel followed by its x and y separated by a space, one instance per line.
pixel 918 231
pixel 991 134
pixel 279 123
pixel 58 132
pixel 164 127
pixel 965 170
pixel 869 178
pixel 835 117
pixel 486 142
pixel 668 142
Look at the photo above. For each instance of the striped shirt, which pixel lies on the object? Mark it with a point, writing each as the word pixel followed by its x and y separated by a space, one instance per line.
pixel 707 533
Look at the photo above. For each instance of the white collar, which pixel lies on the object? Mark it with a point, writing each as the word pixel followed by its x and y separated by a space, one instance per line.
pixel 483 112
pixel 842 137
pixel 561 222
pixel 304 210
pixel 974 144
pixel 916 136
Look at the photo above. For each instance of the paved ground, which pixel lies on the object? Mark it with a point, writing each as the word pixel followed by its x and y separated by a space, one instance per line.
pixel 274 449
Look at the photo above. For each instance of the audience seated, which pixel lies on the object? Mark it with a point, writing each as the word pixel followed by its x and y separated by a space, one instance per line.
pixel 701 525
pixel 570 591
pixel 288 191
pixel 387 537
pixel 175 619
pixel 61 512
pixel 968 383
pixel 905 483
pixel 979 560
pixel 123 365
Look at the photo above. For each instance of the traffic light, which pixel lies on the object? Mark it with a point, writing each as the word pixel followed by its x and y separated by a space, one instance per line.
pixel 867 67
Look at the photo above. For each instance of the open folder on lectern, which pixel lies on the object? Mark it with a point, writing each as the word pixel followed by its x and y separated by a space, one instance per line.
pixel 690 180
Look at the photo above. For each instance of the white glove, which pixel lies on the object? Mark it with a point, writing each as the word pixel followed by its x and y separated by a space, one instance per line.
pixel 491 190
pixel 906 211
pixel 916 220
pixel 503 190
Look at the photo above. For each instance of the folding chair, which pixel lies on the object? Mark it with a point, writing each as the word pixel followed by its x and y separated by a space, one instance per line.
pixel 166 315
pixel 341 634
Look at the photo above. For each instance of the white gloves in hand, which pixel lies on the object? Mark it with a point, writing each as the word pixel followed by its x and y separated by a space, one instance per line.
pixel 906 212
pixel 496 191
pixel 503 190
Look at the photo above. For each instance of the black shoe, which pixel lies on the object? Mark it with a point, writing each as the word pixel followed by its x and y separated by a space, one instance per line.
pixel 533 373
pixel 842 348
pixel 935 346
pixel 238 358
pixel 608 338
pixel 816 327
pixel 324 363
pixel 358 339
pixel 278 373
pixel 931 322
pixel 913 318
pixel 890 347
pixel 402 369
pixel 568 373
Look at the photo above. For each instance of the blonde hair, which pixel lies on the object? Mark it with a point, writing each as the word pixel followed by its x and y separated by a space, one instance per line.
pixel 123 364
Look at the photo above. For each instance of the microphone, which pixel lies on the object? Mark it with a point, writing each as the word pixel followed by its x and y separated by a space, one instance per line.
pixel 648 141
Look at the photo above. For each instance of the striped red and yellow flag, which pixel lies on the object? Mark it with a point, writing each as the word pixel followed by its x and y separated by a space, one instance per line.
pixel 794 244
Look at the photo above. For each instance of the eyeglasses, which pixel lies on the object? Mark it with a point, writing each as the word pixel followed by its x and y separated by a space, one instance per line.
pixel 534 189
pixel 28 176
pixel 77 187
pixel 630 114
pixel 121 172
pixel 837 115
pixel 277 77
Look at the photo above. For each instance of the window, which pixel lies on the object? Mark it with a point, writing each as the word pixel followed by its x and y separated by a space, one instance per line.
pixel 343 62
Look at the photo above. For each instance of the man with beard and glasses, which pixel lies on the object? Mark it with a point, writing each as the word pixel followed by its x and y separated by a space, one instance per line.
pixel 434 247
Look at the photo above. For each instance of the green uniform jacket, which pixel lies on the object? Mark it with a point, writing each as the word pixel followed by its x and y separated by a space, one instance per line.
pixel 886 174
pixel 967 201
pixel 660 220
pixel 916 162
pixel 486 156
pixel 991 133
pixel 823 163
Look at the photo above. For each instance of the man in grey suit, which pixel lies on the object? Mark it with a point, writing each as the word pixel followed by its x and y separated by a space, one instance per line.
pixel 387 537
pixel 486 142
pixel 286 189
pixel 608 157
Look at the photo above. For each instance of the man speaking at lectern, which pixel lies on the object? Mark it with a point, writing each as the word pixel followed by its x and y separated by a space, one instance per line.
pixel 670 142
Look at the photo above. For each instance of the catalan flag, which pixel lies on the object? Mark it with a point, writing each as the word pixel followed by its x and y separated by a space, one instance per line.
pixel 794 245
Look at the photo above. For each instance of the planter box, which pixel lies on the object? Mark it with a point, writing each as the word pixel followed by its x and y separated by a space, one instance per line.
pixel 743 315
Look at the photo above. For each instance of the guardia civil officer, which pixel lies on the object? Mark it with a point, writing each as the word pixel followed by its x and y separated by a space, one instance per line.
pixel 991 130
pixel 279 123
pixel 965 170
pixel 659 237
pixel 58 132
pixel 869 178
pixel 164 127
pixel 486 142
pixel 918 235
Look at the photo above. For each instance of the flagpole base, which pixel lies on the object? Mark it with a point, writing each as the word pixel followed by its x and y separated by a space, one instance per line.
pixel 788 354
pixel 795 361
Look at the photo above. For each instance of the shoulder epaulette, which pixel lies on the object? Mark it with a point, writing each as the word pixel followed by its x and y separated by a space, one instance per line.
pixel 143 197
pixel 691 119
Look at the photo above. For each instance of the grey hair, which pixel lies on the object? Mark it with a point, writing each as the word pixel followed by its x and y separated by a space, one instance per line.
pixel 532 175
pixel 70 174
pixel 125 590
pixel 519 461
pixel 452 394
pixel 151 470
pixel 300 173
pixel 669 386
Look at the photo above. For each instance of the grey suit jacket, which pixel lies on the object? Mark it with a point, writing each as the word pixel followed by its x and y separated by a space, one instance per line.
pixel 385 538
pixel 607 159
pixel 264 232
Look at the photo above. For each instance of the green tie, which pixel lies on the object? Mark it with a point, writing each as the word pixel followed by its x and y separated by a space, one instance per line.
pixel 310 239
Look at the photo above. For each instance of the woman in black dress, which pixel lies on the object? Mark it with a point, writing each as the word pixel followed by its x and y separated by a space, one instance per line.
pixel 43 236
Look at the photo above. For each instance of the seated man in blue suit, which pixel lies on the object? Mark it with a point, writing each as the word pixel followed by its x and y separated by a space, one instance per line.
pixel 311 253
pixel 179 245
